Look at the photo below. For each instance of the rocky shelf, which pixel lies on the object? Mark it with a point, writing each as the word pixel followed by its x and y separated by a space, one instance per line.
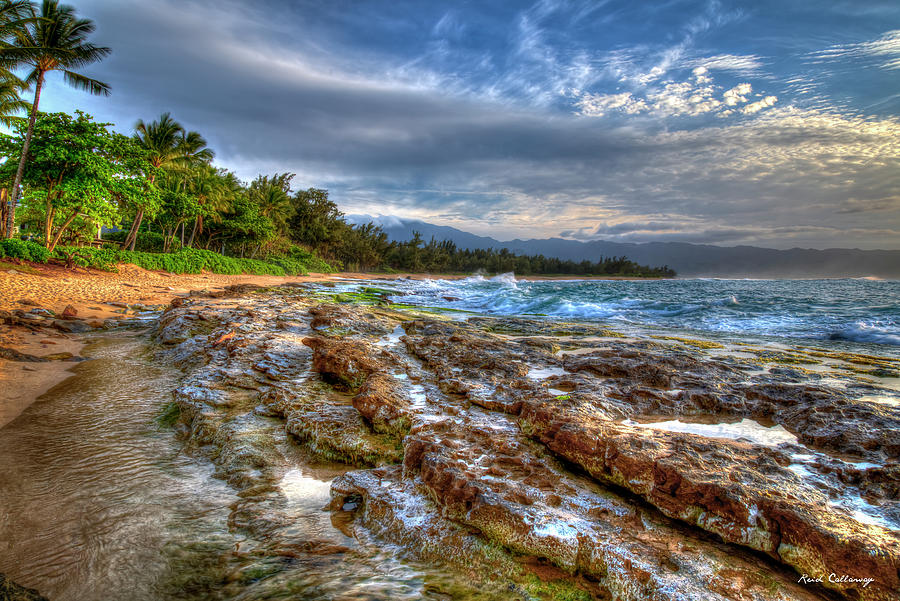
pixel 525 453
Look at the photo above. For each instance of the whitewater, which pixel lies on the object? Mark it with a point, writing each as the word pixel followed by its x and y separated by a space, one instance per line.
pixel 839 312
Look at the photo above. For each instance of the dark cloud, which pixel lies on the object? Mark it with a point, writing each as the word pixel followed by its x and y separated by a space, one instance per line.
pixel 283 87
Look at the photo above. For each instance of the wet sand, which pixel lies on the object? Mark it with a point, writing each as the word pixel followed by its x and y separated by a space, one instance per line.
pixel 21 383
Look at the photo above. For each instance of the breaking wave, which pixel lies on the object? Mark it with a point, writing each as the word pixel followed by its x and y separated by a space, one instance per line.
pixel 853 310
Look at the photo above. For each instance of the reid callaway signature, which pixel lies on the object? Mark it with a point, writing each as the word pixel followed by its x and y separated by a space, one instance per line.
pixel 834 578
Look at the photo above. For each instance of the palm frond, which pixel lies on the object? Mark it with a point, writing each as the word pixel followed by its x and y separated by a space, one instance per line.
pixel 95 87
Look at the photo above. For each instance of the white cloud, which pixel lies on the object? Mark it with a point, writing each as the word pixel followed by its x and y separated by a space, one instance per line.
pixel 737 94
pixel 885 48
pixel 696 96
pixel 597 105
pixel 755 107
pixel 742 64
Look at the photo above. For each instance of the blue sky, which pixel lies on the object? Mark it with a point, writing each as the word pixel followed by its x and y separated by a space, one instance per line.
pixel 767 123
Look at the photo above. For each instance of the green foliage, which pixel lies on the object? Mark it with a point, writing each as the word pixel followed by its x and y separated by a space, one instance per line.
pixel 78 175
pixel 444 257
pixel 186 260
pixel 24 249
pixel 300 260
pixel 150 242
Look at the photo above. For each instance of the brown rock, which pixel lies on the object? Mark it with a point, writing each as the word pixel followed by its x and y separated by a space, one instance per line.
pixel 382 403
pixel 739 491
pixel 345 364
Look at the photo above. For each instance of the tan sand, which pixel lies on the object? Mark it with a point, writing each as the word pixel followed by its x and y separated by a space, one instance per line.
pixel 22 383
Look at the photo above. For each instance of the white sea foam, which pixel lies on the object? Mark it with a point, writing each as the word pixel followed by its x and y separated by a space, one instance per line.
pixel 840 312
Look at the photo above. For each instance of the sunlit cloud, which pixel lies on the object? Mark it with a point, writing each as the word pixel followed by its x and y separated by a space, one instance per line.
pixel 886 49
pixel 697 95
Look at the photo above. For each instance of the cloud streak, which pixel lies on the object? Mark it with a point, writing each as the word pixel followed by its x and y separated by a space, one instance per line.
pixel 458 127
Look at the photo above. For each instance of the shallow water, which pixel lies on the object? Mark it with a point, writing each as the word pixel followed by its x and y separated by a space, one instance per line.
pixel 98 502
pixel 92 490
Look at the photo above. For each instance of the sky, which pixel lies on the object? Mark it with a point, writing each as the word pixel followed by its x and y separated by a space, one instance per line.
pixel 766 123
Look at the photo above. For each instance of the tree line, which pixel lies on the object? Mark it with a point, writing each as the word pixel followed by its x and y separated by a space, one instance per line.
pixel 67 175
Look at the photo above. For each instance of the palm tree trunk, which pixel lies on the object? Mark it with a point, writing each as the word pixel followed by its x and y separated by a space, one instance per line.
pixel 20 171
pixel 131 238
pixel 4 206
pixel 197 225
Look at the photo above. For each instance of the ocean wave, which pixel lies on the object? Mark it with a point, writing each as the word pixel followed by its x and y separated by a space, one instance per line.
pixel 845 311
pixel 866 333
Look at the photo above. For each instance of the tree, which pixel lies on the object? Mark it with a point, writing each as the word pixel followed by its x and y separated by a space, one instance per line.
pixel 10 104
pixel 210 189
pixel 315 219
pixel 271 195
pixel 79 172
pixel 169 146
pixel 12 16
pixel 52 40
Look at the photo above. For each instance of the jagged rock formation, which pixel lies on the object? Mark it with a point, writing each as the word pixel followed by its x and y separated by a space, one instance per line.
pixel 490 449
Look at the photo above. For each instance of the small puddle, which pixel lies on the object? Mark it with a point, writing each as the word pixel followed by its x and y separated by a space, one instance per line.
pixel 392 338
pixel 746 430
pixel 546 372
pixel 300 489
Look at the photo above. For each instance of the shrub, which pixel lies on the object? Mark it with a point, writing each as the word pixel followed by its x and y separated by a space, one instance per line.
pixel 191 260
pixel 151 242
pixel 300 260
pixel 23 249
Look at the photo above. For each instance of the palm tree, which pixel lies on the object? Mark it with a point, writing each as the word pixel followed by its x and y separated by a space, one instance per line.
pixel 13 15
pixel 159 139
pixel 167 144
pixel 10 104
pixel 210 189
pixel 54 40
pixel 10 101
pixel 194 150
pixel 272 197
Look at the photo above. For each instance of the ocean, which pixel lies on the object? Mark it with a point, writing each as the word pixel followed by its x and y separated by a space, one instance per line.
pixel 847 313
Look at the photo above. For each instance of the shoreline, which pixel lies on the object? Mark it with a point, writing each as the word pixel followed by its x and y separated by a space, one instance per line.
pixel 54 287
pixel 98 296
pixel 89 292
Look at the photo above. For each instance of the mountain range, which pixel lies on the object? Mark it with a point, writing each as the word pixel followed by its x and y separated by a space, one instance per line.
pixel 691 260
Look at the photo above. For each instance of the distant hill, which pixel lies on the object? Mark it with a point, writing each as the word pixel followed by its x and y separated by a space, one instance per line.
pixel 694 260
